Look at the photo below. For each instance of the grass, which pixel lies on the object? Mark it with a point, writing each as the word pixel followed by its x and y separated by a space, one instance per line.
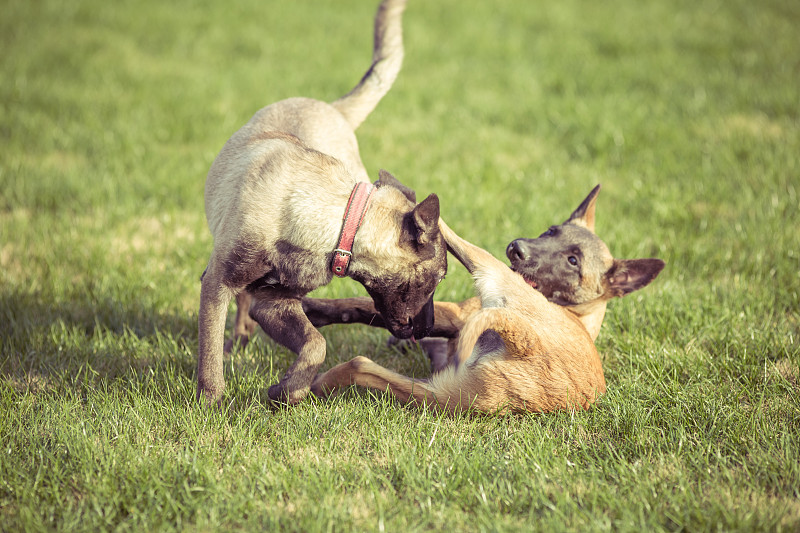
pixel 686 112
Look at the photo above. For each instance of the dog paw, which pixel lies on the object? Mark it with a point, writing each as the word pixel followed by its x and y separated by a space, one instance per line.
pixel 318 390
pixel 209 393
pixel 210 404
pixel 279 394
pixel 226 349
pixel 238 341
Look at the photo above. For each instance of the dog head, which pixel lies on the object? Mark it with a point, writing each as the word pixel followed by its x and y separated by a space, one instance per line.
pixel 402 276
pixel 572 266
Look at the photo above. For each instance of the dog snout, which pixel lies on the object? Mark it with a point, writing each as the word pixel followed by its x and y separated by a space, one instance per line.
pixel 403 330
pixel 516 251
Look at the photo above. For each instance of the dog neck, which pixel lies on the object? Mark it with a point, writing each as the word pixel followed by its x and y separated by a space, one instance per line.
pixel 354 213
pixel 591 315
pixel 376 243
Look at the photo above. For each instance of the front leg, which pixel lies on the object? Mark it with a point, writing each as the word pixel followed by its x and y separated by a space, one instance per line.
pixel 214 300
pixel 358 310
pixel 448 317
pixel 440 346
pixel 282 318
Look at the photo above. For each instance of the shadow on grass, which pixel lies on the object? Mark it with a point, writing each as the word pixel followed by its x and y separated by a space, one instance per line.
pixel 77 347
pixel 47 342
pixel 89 342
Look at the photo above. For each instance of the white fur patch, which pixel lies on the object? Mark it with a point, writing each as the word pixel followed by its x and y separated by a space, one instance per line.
pixel 489 290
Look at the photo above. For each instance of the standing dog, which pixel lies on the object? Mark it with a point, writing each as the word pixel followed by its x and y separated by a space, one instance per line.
pixel 527 342
pixel 275 198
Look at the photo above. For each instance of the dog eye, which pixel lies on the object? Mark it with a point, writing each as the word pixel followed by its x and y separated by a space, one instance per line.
pixel 549 233
pixel 572 260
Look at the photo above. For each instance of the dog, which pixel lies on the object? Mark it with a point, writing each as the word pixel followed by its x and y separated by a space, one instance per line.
pixel 275 198
pixel 526 343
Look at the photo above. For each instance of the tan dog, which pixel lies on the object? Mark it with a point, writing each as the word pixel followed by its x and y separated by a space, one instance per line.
pixel 511 349
pixel 275 199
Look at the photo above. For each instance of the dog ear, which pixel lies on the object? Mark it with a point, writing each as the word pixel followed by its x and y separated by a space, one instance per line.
pixel 584 214
pixel 628 275
pixel 426 219
pixel 385 179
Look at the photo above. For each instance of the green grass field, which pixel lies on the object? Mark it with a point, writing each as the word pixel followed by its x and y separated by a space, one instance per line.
pixel 687 112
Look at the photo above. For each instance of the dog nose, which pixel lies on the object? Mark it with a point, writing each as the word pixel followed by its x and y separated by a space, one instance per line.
pixel 516 252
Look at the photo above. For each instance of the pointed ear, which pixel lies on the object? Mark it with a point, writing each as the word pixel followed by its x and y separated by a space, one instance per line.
pixel 584 214
pixel 628 275
pixel 385 179
pixel 426 219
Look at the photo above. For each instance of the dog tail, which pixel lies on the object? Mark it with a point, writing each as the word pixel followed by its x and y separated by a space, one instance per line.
pixel 387 58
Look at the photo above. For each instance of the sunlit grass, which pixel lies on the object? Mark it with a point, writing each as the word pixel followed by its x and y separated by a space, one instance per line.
pixel 686 112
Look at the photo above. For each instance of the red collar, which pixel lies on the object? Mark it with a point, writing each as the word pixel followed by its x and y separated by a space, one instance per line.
pixel 353 216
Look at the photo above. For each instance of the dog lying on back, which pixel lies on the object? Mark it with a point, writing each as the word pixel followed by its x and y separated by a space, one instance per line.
pixel 526 343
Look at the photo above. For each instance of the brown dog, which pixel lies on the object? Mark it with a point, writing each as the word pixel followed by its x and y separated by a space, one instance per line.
pixel 514 348
pixel 275 198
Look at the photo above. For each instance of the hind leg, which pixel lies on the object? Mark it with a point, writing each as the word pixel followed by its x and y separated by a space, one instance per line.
pixel 244 326
pixel 474 258
pixel 366 373
pixel 214 299
pixel 496 284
